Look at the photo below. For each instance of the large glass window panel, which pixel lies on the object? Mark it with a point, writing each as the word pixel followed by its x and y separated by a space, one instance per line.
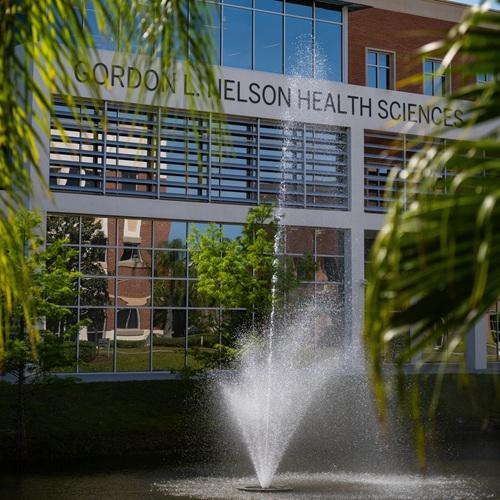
pixel 134 261
pixel 102 37
pixel 136 232
pixel 96 291
pixel 299 8
pixel 169 293
pixel 274 5
pixel 330 269
pixel 97 261
pixel 329 242
pixel 299 53
pixel 169 234
pixel 232 231
pixel 242 3
pixel 170 264
pixel 63 227
pixel 328 61
pixel 203 327
pixel 133 328
pixel 214 13
pixel 197 299
pixel 61 334
pixel 237 51
pixel 302 268
pixel 169 339
pixel 96 340
pixel 328 12
pixel 268 42
pixel 134 292
pixel 300 240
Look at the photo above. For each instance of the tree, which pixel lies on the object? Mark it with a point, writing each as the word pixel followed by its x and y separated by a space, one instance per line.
pixel 238 273
pixel 435 264
pixel 52 283
pixel 38 39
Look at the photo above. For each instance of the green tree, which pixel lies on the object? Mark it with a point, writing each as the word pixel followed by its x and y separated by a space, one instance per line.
pixel 53 283
pixel 434 264
pixel 238 273
pixel 38 39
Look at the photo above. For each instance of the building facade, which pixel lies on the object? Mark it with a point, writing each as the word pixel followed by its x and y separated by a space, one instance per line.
pixel 319 80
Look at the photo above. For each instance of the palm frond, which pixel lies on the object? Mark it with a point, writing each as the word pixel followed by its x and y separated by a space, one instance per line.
pixel 435 266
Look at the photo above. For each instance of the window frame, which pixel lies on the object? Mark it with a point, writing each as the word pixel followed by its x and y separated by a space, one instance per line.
pixel 392 67
pixel 446 75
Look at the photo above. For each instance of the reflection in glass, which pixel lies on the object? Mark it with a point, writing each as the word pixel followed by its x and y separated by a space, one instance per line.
pixel 274 5
pixel 169 293
pixel 134 292
pixel 170 264
pixel 196 299
pixel 237 27
pixel 169 339
pixel 213 29
pixel 328 12
pixel 298 47
pixel 268 42
pixel 299 8
pixel 169 234
pixel 328 61
pixel 133 339
pixel 61 227
pixel 232 231
pixel 329 269
pixel 329 241
pixel 96 340
pixel 300 240
pixel 96 291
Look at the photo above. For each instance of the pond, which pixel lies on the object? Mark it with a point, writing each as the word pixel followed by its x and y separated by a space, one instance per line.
pixel 461 478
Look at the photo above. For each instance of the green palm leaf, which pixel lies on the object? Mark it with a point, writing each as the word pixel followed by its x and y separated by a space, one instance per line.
pixel 435 264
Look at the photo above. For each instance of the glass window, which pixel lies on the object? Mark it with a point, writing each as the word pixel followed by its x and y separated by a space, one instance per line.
pixel 268 42
pixel 237 38
pixel 170 264
pixel 328 12
pixel 169 339
pixel 274 5
pixel 328 61
pixel 169 293
pixel 214 29
pixel 379 69
pixel 484 78
pixel 243 3
pixel 299 8
pixel 127 318
pixel 298 47
pixel 435 82
pixel 169 234
pixel 102 39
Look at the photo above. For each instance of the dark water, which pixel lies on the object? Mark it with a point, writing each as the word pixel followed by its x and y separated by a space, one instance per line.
pixel 458 478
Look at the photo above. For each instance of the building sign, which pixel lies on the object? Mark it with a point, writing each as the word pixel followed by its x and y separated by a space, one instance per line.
pixel 251 93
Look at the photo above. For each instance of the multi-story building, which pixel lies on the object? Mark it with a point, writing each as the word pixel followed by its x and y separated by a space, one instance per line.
pixel 320 79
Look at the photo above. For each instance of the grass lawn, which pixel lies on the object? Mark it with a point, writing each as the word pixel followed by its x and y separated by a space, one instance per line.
pixel 137 359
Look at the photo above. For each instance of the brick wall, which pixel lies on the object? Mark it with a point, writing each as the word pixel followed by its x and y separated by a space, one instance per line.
pixel 395 32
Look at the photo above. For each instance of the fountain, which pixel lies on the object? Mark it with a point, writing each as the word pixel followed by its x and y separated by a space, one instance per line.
pixel 280 373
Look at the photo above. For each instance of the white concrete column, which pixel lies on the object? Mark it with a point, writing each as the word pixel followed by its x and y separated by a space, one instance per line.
pixel 355 242
pixel 475 346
